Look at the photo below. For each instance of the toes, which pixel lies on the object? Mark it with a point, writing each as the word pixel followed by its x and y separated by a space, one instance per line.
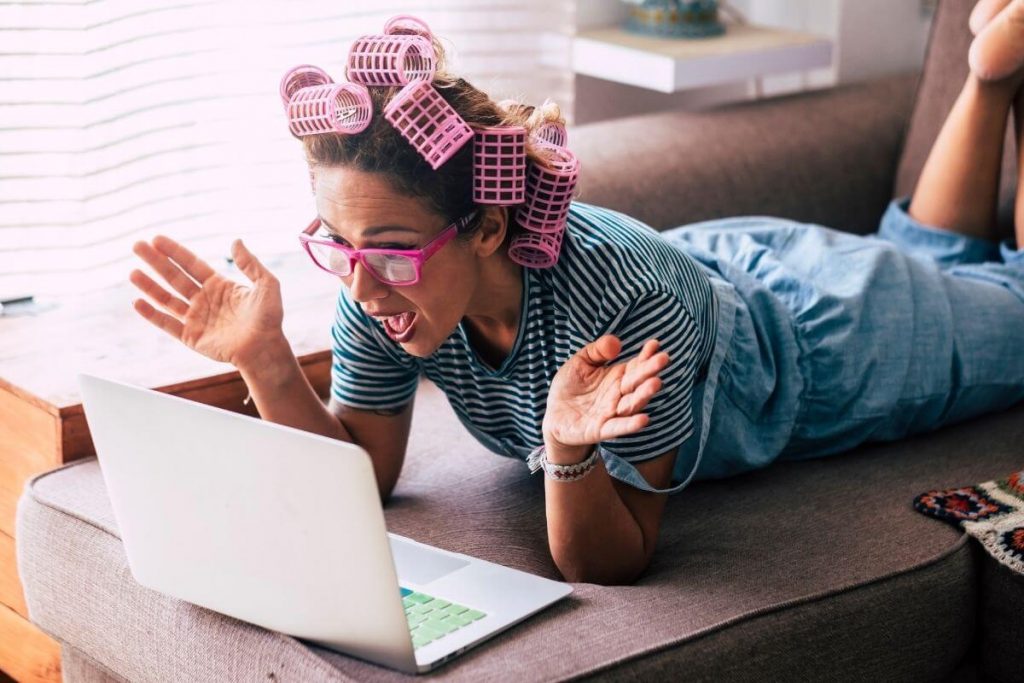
pixel 997 52
pixel 984 12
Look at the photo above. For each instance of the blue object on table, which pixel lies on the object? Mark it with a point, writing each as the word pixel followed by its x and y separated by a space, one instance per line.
pixel 674 18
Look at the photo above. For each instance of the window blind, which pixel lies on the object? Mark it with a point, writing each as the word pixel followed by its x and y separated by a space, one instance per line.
pixel 120 120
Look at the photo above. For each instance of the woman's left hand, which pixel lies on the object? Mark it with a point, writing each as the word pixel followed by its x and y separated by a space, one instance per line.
pixel 591 401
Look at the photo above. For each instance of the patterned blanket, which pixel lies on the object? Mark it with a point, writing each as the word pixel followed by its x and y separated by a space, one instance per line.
pixel 992 512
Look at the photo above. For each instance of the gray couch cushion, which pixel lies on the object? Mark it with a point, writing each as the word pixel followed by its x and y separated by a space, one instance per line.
pixel 824 157
pixel 818 570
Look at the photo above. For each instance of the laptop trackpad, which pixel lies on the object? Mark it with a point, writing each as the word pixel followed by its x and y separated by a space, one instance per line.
pixel 421 565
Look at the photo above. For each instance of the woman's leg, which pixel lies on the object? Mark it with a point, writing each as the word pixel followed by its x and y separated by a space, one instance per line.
pixel 1018 214
pixel 959 185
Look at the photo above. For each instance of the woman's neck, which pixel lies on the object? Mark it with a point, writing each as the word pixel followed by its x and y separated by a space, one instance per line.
pixel 494 310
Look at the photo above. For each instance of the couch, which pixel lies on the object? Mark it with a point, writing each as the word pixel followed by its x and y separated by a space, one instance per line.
pixel 813 570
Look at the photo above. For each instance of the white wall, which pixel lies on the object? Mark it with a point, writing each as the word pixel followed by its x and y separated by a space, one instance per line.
pixel 872 38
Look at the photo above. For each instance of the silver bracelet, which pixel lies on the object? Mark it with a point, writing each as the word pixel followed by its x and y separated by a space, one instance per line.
pixel 538 459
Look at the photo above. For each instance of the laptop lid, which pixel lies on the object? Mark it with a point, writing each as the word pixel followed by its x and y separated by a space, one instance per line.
pixel 246 517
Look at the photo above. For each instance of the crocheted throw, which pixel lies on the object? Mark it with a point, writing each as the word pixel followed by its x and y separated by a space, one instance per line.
pixel 992 512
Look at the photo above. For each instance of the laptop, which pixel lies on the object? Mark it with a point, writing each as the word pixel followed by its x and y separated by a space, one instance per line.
pixel 284 529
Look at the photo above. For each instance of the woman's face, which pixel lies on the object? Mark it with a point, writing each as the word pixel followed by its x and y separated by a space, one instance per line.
pixel 362 210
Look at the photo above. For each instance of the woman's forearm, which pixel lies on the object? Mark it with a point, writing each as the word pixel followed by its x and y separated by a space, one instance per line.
pixel 592 535
pixel 283 394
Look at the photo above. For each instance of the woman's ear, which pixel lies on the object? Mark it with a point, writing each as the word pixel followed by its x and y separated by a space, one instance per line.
pixel 493 229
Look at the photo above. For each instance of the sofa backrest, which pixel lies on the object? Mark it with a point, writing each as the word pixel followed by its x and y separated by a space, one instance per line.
pixel 942 78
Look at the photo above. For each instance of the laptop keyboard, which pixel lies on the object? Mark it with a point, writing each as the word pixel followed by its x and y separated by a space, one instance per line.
pixel 432 618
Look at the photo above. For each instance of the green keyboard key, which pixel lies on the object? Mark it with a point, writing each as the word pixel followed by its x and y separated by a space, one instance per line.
pixel 474 615
pixel 416 618
pixel 422 609
pixel 438 603
pixel 420 642
pixel 425 631
pixel 459 621
pixel 443 625
pixel 455 609
pixel 419 598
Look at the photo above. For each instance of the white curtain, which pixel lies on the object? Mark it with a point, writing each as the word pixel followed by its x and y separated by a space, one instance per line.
pixel 122 119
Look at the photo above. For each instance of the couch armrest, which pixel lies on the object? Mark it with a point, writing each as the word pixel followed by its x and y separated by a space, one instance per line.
pixel 826 157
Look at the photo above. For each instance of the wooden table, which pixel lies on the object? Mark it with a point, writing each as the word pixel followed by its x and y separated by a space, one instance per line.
pixel 42 425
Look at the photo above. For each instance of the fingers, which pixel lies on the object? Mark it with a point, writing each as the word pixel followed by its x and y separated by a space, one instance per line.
pixel 249 264
pixel 165 322
pixel 196 268
pixel 621 426
pixel 637 400
pixel 602 351
pixel 168 270
pixel 158 294
pixel 647 363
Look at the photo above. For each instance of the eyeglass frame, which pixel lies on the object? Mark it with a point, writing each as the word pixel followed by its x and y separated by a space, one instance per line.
pixel 417 256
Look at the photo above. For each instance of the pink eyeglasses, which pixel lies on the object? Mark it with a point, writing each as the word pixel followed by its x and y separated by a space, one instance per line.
pixel 391 266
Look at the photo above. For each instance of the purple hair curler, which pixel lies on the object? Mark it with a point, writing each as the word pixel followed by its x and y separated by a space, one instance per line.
pixel 299 77
pixel 549 191
pixel 428 122
pixel 499 165
pixel 551 133
pixel 408 22
pixel 536 249
pixel 330 108
pixel 390 60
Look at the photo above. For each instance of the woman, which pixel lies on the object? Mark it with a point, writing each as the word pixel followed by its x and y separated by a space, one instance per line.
pixel 700 352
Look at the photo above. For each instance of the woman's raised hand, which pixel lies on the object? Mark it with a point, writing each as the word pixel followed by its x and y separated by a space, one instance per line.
pixel 209 313
pixel 591 401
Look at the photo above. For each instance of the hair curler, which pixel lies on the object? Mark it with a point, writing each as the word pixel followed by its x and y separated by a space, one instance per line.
pixel 428 122
pixel 549 191
pixel 409 22
pixel 536 249
pixel 331 108
pixel 551 133
pixel 499 165
pixel 299 77
pixel 378 60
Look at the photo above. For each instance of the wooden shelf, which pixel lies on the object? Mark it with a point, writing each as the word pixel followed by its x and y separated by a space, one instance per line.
pixel 672 64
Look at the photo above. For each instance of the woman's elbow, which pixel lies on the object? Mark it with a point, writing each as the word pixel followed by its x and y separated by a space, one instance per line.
pixel 577 570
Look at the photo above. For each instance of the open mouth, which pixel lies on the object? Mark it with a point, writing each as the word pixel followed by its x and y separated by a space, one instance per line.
pixel 400 327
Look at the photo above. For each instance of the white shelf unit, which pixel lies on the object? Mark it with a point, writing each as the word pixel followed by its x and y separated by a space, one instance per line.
pixel 669 65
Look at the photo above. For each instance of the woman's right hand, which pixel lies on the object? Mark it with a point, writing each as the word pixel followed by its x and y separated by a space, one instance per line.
pixel 213 315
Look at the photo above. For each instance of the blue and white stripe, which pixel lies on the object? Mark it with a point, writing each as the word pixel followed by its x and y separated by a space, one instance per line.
pixel 615 275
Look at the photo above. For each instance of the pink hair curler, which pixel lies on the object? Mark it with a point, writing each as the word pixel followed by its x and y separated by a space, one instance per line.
pixel 549 191
pixel 536 249
pixel 299 77
pixel 551 133
pixel 390 60
pixel 330 108
pixel 499 165
pixel 428 122
pixel 409 22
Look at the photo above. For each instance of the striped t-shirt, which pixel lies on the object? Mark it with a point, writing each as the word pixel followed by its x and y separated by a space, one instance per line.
pixel 615 275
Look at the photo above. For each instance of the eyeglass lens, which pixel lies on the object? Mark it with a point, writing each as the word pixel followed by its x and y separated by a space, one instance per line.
pixel 388 267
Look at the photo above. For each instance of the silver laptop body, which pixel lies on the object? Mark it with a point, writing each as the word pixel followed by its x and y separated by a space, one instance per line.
pixel 284 529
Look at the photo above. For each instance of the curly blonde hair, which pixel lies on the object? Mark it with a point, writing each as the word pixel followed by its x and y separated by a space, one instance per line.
pixel 382 149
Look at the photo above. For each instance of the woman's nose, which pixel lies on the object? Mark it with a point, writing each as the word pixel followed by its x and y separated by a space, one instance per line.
pixel 363 285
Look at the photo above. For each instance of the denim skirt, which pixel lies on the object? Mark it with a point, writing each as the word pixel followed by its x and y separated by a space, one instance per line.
pixel 833 339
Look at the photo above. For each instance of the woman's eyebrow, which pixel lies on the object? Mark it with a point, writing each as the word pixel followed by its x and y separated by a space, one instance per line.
pixel 376 230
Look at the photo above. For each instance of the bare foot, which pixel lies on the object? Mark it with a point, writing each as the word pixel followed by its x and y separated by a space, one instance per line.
pixel 997 52
pixel 984 12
